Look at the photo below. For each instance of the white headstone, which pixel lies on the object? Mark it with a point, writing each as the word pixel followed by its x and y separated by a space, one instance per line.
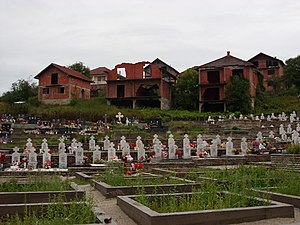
pixel 62 158
pixel 46 157
pixel 269 118
pixel 289 129
pixel 259 136
pixel 32 161
pixel 229 146
pixel 44 146
pixel 257 118
pixel 281 129
pixel 73 146
pixel 284 136
pixel 172 147
pixel 79 154
pixel 262 117
pixel 61 145
pixel 158 149
pixel 200 144
pixel 244 146
pixel 96 154
pixel 214 148
pixel 273 116
pixel 15 157
pixel 92 143
pixel 140 148
pixel 155 139
pixel 111 153
pixel 298 127
pixel 106 143
pixel 218 139
pixel 119 116
pixel 271 134
pixel 186 147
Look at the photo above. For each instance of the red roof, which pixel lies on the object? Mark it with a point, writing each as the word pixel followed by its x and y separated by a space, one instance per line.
pixel 227 60
pixel 67 71
pixel 100 70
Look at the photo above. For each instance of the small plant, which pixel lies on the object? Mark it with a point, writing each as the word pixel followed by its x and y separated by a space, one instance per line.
pixel 293 149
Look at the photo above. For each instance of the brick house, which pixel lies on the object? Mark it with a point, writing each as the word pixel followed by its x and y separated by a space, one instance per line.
pixel 213 77
pixel 98 77
pixel 142 84
pixel 270 67
pixel 59 85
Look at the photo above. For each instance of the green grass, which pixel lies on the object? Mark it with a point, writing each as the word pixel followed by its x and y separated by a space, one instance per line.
pixel 36 183
pixel 208 197
pixel 56 214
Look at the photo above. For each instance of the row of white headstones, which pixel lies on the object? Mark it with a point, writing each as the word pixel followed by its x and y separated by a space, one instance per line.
pixel 76 147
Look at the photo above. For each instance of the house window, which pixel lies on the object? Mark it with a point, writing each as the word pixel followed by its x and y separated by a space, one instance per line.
pixel 238 72
pixel 213 77
pixel 54 78
pixel 45 91
pixel 61 90
pixel 271 72
pixel 120 91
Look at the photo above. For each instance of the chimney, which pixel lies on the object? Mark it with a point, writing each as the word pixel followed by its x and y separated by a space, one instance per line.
pixel 228 53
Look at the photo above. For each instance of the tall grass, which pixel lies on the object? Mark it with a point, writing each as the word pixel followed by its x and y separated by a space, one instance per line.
pixel 56 214
pixel 36 183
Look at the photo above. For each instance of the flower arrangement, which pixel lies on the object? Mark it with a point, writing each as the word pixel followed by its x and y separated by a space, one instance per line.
pixel 236 151
pixel 24 162
pixel 203 154
pixel 178 153
pixel 47 164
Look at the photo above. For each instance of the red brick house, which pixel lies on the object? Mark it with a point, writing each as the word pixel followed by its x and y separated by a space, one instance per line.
pixel 142 84
pixel 98 77
pixel 270 67
pixel 59 85
pixel 213 77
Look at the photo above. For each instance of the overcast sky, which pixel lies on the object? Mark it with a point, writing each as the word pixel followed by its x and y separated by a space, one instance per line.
pixel 183 33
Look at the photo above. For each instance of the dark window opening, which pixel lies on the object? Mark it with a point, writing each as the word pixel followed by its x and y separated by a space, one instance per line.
pixel 255 63
pixel 61 90
pixel 54 78
pixel 148 90
pixel 213 77
pixel 210 107
pixel 271 63
pixel 120 91
pixel 46 91
pixel 271 72
pixel 211 94
pixel 238 72
pixel 82 93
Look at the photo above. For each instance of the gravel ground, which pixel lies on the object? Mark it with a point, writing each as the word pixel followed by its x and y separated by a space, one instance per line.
pixel 109 206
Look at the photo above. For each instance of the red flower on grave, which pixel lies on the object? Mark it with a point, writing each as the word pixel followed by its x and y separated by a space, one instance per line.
pixel 2 158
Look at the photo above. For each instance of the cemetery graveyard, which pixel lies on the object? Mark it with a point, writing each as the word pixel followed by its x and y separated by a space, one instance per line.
pixel 228 170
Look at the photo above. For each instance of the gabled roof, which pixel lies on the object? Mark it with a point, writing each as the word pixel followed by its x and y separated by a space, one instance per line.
pixel 67 71
pixel 160 61
pixel 227 60
pixel 99 70
pixel 267 56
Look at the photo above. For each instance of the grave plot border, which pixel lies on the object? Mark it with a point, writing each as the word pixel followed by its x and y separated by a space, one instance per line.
pixel 38 196
pixel 112 191
pixel 288 199
pixel 19 209
pixel 145 216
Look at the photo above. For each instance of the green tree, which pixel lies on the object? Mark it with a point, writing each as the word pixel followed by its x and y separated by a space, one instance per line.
pixel 79 67
pixel 186 94
pixel 237 95
pixel 21 90
pixel 291 72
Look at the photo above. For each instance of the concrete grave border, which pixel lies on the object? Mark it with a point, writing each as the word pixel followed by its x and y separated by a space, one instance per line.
pixel 145 216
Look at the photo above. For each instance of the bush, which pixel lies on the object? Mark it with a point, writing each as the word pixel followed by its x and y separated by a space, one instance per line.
pixel 293 149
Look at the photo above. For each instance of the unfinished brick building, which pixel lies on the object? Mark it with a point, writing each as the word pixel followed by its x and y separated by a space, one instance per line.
pixel 270 67
pixel 98 77
pixel 142 84
pixel 59 85
pixel 214 76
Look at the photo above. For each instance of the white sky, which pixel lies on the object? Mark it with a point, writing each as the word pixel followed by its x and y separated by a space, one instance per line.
pixel 183 33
